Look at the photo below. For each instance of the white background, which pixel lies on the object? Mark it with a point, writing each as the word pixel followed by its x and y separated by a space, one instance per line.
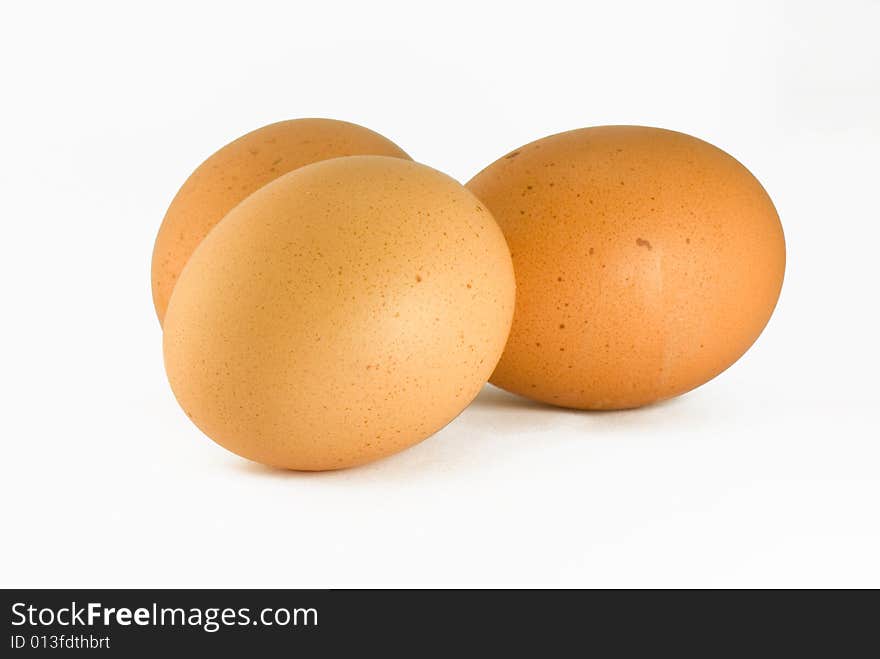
pixel 767 476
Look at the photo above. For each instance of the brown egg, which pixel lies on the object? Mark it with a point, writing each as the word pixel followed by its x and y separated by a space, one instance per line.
pixel 647 262
pixel 344 312
pixel 240 168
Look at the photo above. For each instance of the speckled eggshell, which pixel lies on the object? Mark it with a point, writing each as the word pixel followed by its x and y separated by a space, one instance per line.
pixel 344 312
pixel 237 170
pixel 647 262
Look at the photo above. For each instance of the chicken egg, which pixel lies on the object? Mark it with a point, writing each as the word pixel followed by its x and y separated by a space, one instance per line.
pixel 343 312
pixel 240 168
pixel 647 262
